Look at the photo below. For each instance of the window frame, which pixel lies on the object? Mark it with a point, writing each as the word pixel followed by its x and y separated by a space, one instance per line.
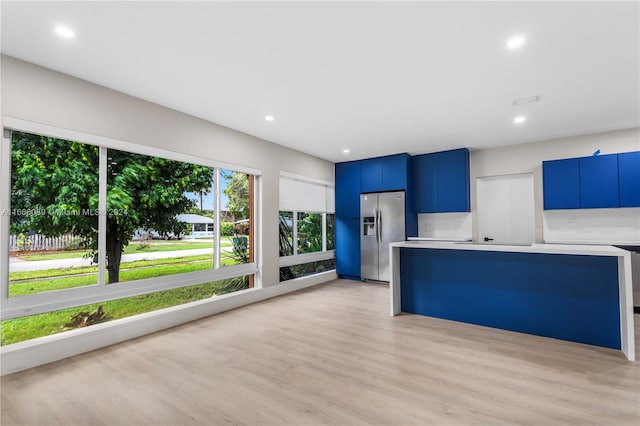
pixel 324 254
pixel 18 306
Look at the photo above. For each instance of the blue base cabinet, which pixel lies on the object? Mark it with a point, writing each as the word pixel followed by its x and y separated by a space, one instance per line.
pixel 348 248
pixel 568 297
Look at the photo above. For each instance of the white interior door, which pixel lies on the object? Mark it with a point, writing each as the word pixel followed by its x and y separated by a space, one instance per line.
pixel 505 209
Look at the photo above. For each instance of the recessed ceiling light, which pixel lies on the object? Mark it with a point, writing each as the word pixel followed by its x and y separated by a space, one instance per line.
pixel 346 151
pixel 519 119
pixel 515 42
pixel 65 32
pixel 269 117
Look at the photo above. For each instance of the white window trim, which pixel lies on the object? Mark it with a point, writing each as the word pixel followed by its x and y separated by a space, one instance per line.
pixel 294 233
pixel 5 198
pixel 324 232
pixel 19 306
pixel 216 197
pixel 300 259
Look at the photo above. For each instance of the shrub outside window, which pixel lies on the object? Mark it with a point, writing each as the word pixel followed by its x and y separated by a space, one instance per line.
pixel 303 234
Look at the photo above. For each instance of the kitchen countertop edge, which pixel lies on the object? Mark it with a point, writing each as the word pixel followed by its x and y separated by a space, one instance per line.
pixel 577 249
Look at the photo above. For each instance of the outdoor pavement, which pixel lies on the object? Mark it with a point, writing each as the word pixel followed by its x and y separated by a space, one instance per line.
pixel 19 265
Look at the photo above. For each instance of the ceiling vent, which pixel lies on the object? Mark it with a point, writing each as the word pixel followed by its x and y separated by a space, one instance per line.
pixel 527 100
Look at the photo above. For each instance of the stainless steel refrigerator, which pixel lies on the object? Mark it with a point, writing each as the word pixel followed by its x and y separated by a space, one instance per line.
pixel 381 223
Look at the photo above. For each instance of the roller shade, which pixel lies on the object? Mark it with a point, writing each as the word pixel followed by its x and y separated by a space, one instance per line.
pixel 300 195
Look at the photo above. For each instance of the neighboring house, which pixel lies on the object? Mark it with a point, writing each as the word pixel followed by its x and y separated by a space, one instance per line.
pixel 201 226
pixel 197 227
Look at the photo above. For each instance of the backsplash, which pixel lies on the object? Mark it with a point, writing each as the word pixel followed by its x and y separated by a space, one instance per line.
pixel 445 225
pixel 592 226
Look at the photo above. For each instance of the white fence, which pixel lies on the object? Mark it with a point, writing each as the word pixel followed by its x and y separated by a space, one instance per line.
pixel 40 242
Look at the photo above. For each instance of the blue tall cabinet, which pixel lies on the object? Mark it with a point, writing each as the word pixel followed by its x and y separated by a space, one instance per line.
pixel 348 219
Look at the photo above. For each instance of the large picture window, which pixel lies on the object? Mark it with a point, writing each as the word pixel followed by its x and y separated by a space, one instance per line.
pixel 86 222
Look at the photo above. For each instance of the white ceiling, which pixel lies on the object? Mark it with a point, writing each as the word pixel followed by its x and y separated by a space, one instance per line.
pixel 376 77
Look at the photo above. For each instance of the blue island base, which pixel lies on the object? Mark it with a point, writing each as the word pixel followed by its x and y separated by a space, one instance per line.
pixel 568 297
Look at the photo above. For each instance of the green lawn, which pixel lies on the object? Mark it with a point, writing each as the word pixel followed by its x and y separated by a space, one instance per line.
pixel 24 283
pixel 26 328
pixel 129 271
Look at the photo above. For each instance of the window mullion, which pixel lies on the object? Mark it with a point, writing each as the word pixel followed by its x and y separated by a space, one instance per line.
pixel 216 209
pixel 102 217
pixel 295 232
pixel 324 232
pixel 5 191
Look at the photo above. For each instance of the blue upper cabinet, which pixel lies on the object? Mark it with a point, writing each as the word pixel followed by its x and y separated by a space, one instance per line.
pixel 348 189
pixel 599 181
pixel 561 184
pixel 603 181
pixel 453 181
pixel 394 172
pixel 425 183
pixel 629 179
pixel 384 173
pixel 371 175
pixel 441 182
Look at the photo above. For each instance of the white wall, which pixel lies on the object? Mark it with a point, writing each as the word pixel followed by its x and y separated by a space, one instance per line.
pixel 527 158
pixel 33 93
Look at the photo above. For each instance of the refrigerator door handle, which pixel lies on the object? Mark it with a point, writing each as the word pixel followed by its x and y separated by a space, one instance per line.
pixel 375 221
pixel 379 227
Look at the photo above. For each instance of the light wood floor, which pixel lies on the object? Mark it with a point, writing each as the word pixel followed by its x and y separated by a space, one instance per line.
pixel 330 355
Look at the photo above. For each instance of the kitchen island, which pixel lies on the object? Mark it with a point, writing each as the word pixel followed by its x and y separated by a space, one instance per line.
pixel 580 293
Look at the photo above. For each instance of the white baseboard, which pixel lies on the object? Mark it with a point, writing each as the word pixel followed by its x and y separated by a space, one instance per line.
pixel 43 350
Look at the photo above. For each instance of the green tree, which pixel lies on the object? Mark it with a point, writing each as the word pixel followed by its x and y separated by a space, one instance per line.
pixel 61 178
pixel 309 232
pixel 237 191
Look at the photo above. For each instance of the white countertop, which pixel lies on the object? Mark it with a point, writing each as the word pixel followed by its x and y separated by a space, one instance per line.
pixel 597 243
pixel 588 250
pixel 436 239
